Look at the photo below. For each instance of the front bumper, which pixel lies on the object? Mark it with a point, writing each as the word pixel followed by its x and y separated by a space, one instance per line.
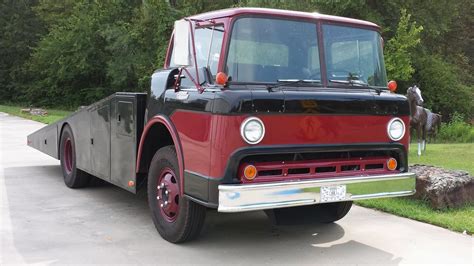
pixel 250 197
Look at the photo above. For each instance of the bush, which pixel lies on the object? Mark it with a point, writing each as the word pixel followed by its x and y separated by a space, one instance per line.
pixel 440 83
pixel 456 131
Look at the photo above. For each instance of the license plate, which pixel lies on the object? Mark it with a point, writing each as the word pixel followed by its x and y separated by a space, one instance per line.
pixel 333 193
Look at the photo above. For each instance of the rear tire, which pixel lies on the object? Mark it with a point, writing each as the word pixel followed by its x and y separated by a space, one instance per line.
pixel 319 213
pixel 176 218
pixel 73 177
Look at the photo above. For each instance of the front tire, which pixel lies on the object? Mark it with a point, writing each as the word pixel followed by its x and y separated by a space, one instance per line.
pixel 176 218
pixel 73 177
pixel 319 213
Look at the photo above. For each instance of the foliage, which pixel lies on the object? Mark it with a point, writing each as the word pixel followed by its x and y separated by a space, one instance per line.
pixel 399 49
pixel 442 88
pixel 20 30
pixel 74 52
pixel 456 131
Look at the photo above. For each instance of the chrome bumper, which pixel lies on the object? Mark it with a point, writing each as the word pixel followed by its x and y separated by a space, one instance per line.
pixel 250 197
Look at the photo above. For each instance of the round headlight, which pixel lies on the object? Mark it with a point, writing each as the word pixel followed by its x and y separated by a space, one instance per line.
pixel 252 130
pixel 396 129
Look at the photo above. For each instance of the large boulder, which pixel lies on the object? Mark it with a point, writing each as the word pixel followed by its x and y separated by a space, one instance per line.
pixel 443 188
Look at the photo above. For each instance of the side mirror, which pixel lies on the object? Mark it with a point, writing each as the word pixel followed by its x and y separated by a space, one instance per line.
pixel 182 43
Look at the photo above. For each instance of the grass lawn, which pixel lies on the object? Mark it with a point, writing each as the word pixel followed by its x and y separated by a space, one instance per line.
pixel 52 116
pixel 451 156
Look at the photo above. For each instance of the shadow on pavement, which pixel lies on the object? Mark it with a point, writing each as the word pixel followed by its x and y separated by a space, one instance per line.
pixel 105 224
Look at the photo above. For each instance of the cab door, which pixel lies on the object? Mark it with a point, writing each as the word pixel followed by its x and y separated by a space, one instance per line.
pixel 190 109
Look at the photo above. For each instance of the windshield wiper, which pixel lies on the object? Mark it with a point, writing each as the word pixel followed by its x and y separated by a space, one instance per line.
pixel 355 82
pixel 286 82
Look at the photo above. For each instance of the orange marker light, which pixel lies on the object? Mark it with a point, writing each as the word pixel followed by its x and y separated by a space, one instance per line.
pixel 221 78
pixel 392 85
pixel 392 164
pixel 250 172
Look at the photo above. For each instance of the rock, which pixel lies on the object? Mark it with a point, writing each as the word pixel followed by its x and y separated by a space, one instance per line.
pixel 82 107
pixel 38 111
pixel 443 188
pixel 34 111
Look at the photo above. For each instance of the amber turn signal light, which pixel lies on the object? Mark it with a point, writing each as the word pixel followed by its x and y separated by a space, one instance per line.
pixel 392 164
pixel 221 78
pixel 250 172
pixel 392 85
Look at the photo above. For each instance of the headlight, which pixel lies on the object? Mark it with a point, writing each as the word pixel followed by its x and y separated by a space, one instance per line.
pixel 252 130
pixel 396 129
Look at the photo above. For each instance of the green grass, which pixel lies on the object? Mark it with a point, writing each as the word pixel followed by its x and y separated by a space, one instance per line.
pixel 450 156
pixel 52 116
pixel 459 219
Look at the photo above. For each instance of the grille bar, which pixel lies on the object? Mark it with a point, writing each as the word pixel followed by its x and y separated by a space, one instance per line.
pixel 322 168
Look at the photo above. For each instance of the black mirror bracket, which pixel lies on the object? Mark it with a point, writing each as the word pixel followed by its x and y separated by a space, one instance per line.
pixel 177 79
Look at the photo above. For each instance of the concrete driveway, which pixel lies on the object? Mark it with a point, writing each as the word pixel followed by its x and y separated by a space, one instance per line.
pixel 44 222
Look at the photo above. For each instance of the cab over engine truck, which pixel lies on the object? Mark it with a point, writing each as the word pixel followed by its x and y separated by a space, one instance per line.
pixel 254 109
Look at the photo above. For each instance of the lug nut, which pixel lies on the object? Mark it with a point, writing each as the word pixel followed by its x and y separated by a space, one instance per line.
pixel 161 205
pixel 158 198
pixel 166 202
pixel 166 192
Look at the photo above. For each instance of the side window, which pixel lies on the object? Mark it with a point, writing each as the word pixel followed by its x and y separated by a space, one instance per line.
pixel 208 43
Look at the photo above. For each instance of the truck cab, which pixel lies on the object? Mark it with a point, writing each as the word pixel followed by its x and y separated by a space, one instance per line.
pixel 305 98
pixel 261 109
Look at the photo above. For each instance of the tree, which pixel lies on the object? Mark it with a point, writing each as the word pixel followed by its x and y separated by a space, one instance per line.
pixel 20 30
pixel 399 49
pixel 74 52
pixel 70 61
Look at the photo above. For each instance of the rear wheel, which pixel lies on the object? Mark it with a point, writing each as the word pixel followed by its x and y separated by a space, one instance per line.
pixel 176 218
pixel 73 177
pixel 319 213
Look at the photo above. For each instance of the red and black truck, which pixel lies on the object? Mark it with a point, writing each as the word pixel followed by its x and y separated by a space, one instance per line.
pixel 254 109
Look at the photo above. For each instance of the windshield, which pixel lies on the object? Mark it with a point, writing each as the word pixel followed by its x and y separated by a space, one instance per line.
pixel 268 50
pixel 353 54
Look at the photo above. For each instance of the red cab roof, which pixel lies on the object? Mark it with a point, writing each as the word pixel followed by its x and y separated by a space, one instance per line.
pixel 232 12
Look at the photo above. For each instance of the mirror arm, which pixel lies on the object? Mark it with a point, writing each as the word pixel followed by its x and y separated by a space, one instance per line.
pixel 177 81
pixel 196 83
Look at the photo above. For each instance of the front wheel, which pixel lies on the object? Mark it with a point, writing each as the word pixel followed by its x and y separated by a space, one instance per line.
pixel 319 213
pixel 176 218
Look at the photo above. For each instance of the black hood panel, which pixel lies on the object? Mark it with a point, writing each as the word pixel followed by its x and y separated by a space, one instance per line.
pixel 318 101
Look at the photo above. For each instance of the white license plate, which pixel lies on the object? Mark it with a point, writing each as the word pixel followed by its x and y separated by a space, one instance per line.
pixel 333 193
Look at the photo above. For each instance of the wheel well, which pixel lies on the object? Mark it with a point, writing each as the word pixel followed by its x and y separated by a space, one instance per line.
pixel 157 137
